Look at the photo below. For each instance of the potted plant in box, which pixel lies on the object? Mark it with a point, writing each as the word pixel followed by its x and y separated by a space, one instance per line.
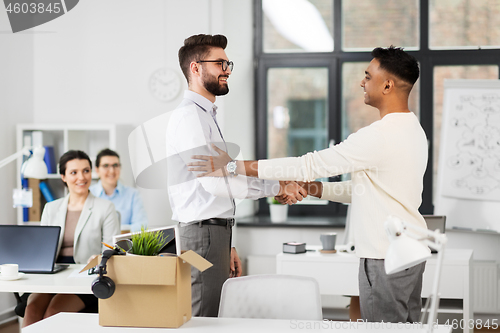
pixel 147 243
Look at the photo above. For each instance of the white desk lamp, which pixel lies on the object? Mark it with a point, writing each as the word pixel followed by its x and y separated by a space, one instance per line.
pixel 33 167
pixel 409 247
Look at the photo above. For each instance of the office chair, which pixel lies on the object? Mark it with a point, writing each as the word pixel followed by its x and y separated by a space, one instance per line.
pixel 271 297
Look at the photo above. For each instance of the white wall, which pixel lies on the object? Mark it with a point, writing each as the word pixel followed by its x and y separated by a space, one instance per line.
pixel 16 104
pixel 239 104
pixel 94 65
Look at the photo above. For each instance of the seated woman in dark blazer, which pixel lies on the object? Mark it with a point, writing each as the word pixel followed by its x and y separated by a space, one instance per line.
pixel 85 222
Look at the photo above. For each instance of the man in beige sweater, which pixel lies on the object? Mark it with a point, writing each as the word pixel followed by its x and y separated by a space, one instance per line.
pixel 387 161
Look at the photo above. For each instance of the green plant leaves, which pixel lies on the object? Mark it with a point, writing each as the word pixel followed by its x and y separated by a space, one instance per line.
pixel 148 243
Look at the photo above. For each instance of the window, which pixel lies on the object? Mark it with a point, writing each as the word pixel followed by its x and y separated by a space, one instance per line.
pixel 297 111
pixel 368 24
pixel 311 57
pixel 462 24
pixel 297 25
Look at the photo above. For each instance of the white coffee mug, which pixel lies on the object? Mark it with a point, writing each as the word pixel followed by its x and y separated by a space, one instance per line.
pixel 328 241
pixel 9 270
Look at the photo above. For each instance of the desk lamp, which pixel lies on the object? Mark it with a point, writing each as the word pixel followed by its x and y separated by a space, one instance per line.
pixel 34 166
pixel 409 247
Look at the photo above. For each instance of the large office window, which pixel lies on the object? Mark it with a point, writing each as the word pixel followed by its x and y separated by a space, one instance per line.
pixel 368 24
pixel 297 111
pixel 297 26
pixel 311 56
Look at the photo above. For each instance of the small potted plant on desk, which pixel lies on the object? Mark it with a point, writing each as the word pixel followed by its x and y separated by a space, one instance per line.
pixel 278 212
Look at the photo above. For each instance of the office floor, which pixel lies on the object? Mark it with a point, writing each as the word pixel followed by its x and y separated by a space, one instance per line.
pixel 12 327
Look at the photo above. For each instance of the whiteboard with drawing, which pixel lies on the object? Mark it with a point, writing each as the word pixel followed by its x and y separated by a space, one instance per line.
pixel 468 190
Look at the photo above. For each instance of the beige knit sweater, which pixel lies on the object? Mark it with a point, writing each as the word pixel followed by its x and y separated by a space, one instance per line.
pixel 386 160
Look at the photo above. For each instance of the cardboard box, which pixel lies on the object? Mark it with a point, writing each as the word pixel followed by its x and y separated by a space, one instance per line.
pixel 35 212
pixel 150 291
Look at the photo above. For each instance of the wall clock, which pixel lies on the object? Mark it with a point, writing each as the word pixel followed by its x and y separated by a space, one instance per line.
pixel 165 84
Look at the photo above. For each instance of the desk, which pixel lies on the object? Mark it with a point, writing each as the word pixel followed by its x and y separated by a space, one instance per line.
pixel 337 274
pixel 58 283
pixel 86 323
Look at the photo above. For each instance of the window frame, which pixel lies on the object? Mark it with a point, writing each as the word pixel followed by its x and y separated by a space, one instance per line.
pixel 334 61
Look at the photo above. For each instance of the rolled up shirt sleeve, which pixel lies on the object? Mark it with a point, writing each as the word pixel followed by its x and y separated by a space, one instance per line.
pixel 241 187
pixel 337 191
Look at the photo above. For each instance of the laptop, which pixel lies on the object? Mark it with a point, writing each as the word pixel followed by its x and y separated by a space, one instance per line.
pixel 33 248
pixel 171 233
pixel 435 222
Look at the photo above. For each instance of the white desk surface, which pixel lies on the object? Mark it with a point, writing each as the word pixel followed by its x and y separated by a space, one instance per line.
pixel 451 256
pixel 89 323
pixel 62 282
pixel 337 274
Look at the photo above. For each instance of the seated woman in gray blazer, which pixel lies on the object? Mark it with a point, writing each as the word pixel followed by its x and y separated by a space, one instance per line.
pixel 85 222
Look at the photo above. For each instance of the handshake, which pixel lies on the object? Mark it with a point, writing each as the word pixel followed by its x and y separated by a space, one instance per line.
pixel 291 192
pixel 218 166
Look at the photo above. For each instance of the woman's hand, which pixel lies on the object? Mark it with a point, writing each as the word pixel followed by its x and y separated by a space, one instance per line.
pixel 212 166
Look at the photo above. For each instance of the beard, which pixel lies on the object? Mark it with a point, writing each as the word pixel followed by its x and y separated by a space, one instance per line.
pixel 211 83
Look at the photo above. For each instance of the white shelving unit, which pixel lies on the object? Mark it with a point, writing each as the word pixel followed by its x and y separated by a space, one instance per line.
pixel 90 138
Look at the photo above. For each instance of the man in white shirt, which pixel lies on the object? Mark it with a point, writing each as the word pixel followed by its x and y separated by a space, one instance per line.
pixel 387 162
pixel 204 206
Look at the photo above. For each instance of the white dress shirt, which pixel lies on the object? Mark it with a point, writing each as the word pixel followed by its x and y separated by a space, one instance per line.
pixel 128 203
pixel 191 130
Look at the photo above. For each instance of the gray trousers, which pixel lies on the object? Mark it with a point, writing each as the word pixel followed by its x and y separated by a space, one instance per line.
pixel 390 298
pixel 213 243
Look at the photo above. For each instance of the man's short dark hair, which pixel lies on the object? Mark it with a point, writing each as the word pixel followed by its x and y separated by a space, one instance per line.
pixel 105 152
pixel 398 63
pixel 197 47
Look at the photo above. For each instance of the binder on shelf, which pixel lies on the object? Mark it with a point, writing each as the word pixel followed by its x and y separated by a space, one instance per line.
pixel 26 216
pixel 46 191
pixel 27 142
pixel 50 159
pixel 37 138
pixel 35 211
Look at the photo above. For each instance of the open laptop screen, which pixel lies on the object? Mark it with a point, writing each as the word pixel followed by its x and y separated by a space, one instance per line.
pixel 171 233
pixel 33 248
pixel 435 222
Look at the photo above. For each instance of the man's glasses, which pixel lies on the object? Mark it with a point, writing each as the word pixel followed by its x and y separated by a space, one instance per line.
pixel 107 166
pixel 224 63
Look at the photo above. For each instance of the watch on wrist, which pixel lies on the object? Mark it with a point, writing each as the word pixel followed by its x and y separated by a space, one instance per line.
pixel 231 168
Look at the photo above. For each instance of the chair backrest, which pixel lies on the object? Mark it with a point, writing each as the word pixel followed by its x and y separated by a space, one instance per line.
pixel 271 297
